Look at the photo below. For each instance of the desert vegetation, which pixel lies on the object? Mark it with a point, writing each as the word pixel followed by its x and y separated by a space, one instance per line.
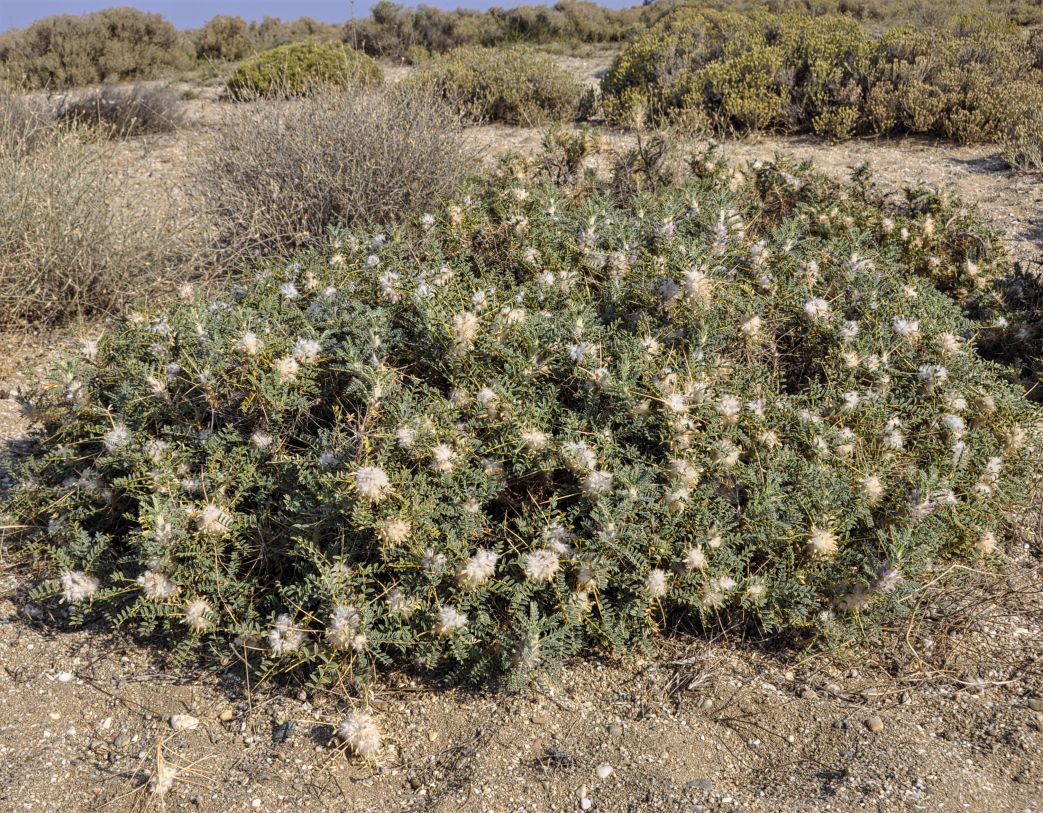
pixel 445 445
pixel 974 79
pixel 388 400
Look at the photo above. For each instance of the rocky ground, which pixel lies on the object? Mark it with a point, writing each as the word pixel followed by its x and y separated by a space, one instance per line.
pixel 942 713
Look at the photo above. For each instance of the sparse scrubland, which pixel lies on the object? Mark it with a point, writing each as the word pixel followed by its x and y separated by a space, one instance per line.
pixel 376 406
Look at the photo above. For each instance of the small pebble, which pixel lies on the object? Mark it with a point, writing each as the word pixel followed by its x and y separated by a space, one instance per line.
pixel 183 722
pixel 122 741
pixel 604 770
pixel 808 693
pixel 875 724
pixel 1036 703
pixel 64 677
pixel 615 730
pixel 226 715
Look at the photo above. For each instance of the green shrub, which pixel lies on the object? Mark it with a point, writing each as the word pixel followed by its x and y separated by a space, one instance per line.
pixel 509 85
pixel 119 112
pixel 302 68
pixel 825 75
pixel 223 37
pixel 113 45
pixel 559 418
pixel 279 175
pixel 1010 313
pixel 1022 139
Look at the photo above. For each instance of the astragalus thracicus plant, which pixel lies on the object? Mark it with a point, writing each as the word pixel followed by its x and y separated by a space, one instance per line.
pixel 546 418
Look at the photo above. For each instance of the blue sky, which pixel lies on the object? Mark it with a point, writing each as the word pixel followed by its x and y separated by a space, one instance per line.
pixel 191 13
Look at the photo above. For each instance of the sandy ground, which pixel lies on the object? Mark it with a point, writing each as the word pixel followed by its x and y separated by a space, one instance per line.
pixel 943 714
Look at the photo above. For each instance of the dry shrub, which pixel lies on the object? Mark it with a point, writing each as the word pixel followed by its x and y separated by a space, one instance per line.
pixel 281 174
pixel 119 112
pixel 69 246
pixel 115 44
pixel 22 123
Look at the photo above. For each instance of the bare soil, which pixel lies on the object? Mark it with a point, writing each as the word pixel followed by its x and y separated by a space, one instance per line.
pixel 941 713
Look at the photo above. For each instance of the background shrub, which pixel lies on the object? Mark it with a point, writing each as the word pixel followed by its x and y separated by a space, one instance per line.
pixel 123 111
pixel 509 85
pixel 1022 139
pixel 302 68
pixel 69 243
pixel 966 81
pixel 281 174
pixel 114 45
pixel 223 37
pixel 561 417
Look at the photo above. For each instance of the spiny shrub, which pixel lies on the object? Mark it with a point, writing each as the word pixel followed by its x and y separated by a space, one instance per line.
pixel 119 112
pixel 69 244
pixel 509 85
pixel 302 68
pixel 557 419
pixel 728 71
pixel 115 45
pixel 1010 313
pixel 279 175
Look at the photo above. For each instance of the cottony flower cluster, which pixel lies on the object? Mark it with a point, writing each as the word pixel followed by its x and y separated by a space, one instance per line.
pixel 552 419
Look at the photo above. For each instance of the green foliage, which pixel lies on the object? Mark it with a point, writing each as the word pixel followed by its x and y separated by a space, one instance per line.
pixel 967 81
pixel 301 69
pixel 393 30
pixel 559 416
pixel 1022 139
pixel 509 85
pixel 223 37
pixel 116 44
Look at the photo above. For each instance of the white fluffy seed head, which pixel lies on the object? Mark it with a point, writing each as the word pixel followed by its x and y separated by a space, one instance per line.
pixel 249 344
pixel 287 368
pixel 372 483
pixel 540 566
pixel 695 559
pixel 396 531
pixel 449 621
pixel 465 330
pixel 477 570
pixel 534 440
pixel 821 542
pixel 985 544
pixel 283 637
pixel 198 615
pixel 359 732
pixel 342 630
pixel 156 586
pixel 656 583
pixel 77 586
pixel 213 521
pixel 596 483
pixel 306 350
pixel 817 310
pixel 442 458
pixel 872 488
